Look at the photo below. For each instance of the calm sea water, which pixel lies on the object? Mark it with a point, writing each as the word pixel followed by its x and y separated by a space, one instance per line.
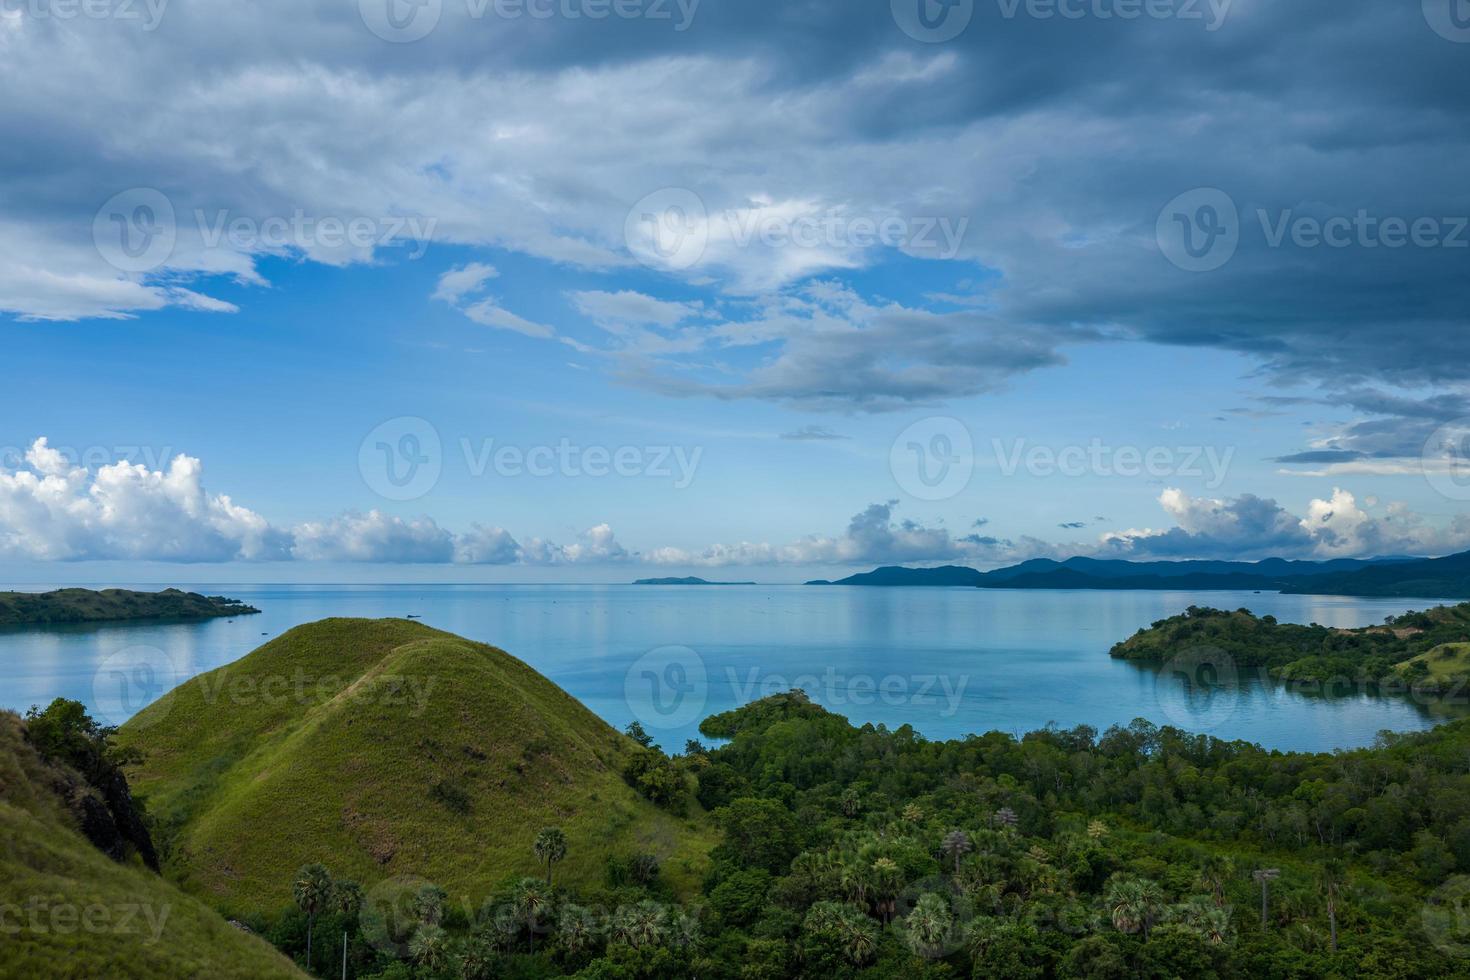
pixel 948 661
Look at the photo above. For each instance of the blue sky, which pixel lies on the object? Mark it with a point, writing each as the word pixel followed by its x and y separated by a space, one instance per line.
pixel 877 245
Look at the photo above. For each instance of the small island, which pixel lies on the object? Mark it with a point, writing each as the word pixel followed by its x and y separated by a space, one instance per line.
pixel 65 606
pixel 688 580
pixel 1426 652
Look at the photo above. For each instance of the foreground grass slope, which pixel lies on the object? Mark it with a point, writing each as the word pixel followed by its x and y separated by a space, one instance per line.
pixel 385 748
pixel 69 911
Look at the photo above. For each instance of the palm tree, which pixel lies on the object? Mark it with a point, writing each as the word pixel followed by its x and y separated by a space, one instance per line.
pixel 1265 876
pixel 1332 878
pixel 531 902
pixel 1133 904
pixel 428 905
pixel 1203 917
pixel 1005 816
pixel 1214 872
pixel 427 947
pixel 928 925
pixel 640 925
pixel 346 897
pixel 312 889
pixel 1097 830
pixel 550 847
pixel 576 929
pixel 956 844
pixel 886 878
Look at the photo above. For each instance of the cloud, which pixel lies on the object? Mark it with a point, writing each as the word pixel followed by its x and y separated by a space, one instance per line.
pixel 489 313
pixel 373 537
pixel 1250 527
pixel 52 510
pixel 461 281
pixel 1072 525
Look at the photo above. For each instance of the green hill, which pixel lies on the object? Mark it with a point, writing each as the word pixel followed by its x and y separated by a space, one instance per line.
pixel 1295 652
pixel 67 910
pixel 383 748
pixel 111 605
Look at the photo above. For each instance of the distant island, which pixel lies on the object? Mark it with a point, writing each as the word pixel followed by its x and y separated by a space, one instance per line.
pixel 1438 578
pixel 688 580
pixel 113 605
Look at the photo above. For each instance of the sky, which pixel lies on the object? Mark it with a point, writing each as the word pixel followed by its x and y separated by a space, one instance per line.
pixel 589 290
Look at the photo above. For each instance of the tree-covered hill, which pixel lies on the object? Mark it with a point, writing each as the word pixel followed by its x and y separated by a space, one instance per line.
pixel 108 605
pixel 1297 652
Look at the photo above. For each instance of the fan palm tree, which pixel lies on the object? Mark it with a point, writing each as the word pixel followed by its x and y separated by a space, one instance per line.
pixel 428 905
pixel 640 925
pixel 1331 880
pixel 928 925
pixel 346 897
pixel 1215 871
pixel 531 901
pixel 312 890
pixel 1203 917
pixel 427 947
pixel 1133 904
pixel 576 929
pixel 550 847
pixel 886 878
pixel 956 844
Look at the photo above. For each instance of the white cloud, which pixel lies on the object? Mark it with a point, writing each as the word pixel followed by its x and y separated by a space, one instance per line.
pixel 51 510
pixel 461 281
pixel 374 537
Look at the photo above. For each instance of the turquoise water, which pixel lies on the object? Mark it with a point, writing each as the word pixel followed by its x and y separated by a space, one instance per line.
pixel 949 662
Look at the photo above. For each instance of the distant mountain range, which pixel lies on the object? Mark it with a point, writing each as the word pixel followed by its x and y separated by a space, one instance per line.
pixel 1395 576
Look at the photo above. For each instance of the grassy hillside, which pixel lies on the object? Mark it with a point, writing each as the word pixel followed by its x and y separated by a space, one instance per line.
pixel 385 748
pixel 69 911
pixel 109 605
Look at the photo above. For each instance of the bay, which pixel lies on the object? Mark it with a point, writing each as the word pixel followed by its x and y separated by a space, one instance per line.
pixel 949 662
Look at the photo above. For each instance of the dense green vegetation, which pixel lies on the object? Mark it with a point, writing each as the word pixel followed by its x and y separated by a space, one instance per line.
pixel 89 606
pixel 1394 656
pixel 863 852
pixel 382 748
pixel 67 910
pixel 839 851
